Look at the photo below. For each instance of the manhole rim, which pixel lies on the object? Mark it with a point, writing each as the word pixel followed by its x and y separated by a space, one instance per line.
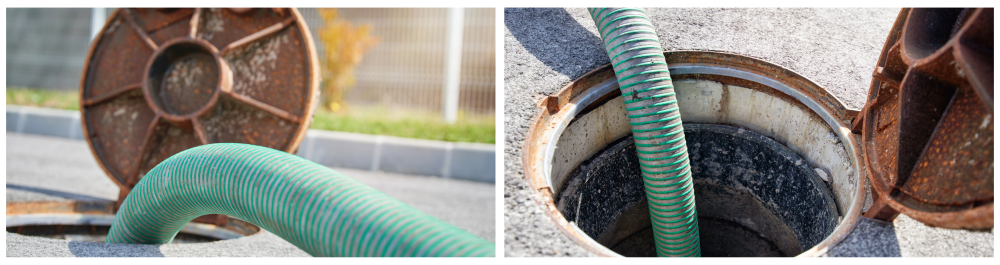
pixel 558 110
pixel 99 214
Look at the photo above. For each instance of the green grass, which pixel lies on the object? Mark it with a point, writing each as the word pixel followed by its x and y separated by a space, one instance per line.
pixel 409 124
pixel 59 99
pixel 366 120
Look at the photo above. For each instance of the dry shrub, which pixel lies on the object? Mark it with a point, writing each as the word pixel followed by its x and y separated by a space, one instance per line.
pixel 345 46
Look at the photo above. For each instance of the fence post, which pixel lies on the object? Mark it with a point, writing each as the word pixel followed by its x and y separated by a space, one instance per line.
pixel 452 64
pixel 97 18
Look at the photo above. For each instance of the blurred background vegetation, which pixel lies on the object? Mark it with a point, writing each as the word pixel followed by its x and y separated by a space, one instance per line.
pixel 345 45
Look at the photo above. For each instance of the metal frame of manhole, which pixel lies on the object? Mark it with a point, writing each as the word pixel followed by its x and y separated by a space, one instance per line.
pixel 599 86
pixel 160 81
pixel 102 213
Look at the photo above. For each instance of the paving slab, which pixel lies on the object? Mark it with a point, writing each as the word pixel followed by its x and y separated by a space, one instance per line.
pixel 468 160
pixel 412 157
pixel 336 149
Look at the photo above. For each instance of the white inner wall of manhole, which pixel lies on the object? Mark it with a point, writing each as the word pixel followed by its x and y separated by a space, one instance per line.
pixel 710 102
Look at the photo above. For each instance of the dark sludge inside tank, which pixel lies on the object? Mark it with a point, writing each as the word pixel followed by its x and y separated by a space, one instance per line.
pixel 754 197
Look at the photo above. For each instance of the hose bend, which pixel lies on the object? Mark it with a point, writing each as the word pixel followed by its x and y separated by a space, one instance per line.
pixel 634 49
pixel 315 208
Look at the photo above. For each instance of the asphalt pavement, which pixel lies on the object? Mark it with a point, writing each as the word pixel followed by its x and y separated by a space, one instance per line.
pixel 546 48
pixel 42 168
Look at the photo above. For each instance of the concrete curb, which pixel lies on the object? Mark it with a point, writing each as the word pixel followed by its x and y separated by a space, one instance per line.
pixel 468 161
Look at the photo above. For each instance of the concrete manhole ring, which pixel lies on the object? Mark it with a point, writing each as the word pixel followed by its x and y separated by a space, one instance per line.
pixel 587 116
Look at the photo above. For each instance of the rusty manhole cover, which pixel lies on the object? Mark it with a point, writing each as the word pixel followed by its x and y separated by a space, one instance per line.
pixel 160 81
pixel 928 124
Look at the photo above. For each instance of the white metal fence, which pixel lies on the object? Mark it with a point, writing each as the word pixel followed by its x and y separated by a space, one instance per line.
pixel 46 48
pixel 406 68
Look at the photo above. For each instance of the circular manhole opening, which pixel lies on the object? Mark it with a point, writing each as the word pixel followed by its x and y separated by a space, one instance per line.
pixel 91 221
pixel 774 163
pixel 91 233
pixel 754 196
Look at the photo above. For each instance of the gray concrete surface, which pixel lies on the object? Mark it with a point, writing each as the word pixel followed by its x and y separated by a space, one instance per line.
pixel 42 168
pixel 468 161
pixel 918 240
pixel 544 49
pixel 871 238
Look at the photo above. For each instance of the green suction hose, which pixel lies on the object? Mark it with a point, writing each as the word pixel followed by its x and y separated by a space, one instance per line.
pixel 634 49
pixel 315 208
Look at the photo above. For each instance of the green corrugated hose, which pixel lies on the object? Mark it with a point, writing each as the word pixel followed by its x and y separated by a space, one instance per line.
pixel 631 42
pixel 315 208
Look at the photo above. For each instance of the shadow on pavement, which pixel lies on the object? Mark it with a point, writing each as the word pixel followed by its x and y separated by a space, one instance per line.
pixel 61 194
pixel 556 39
pixel 870 238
